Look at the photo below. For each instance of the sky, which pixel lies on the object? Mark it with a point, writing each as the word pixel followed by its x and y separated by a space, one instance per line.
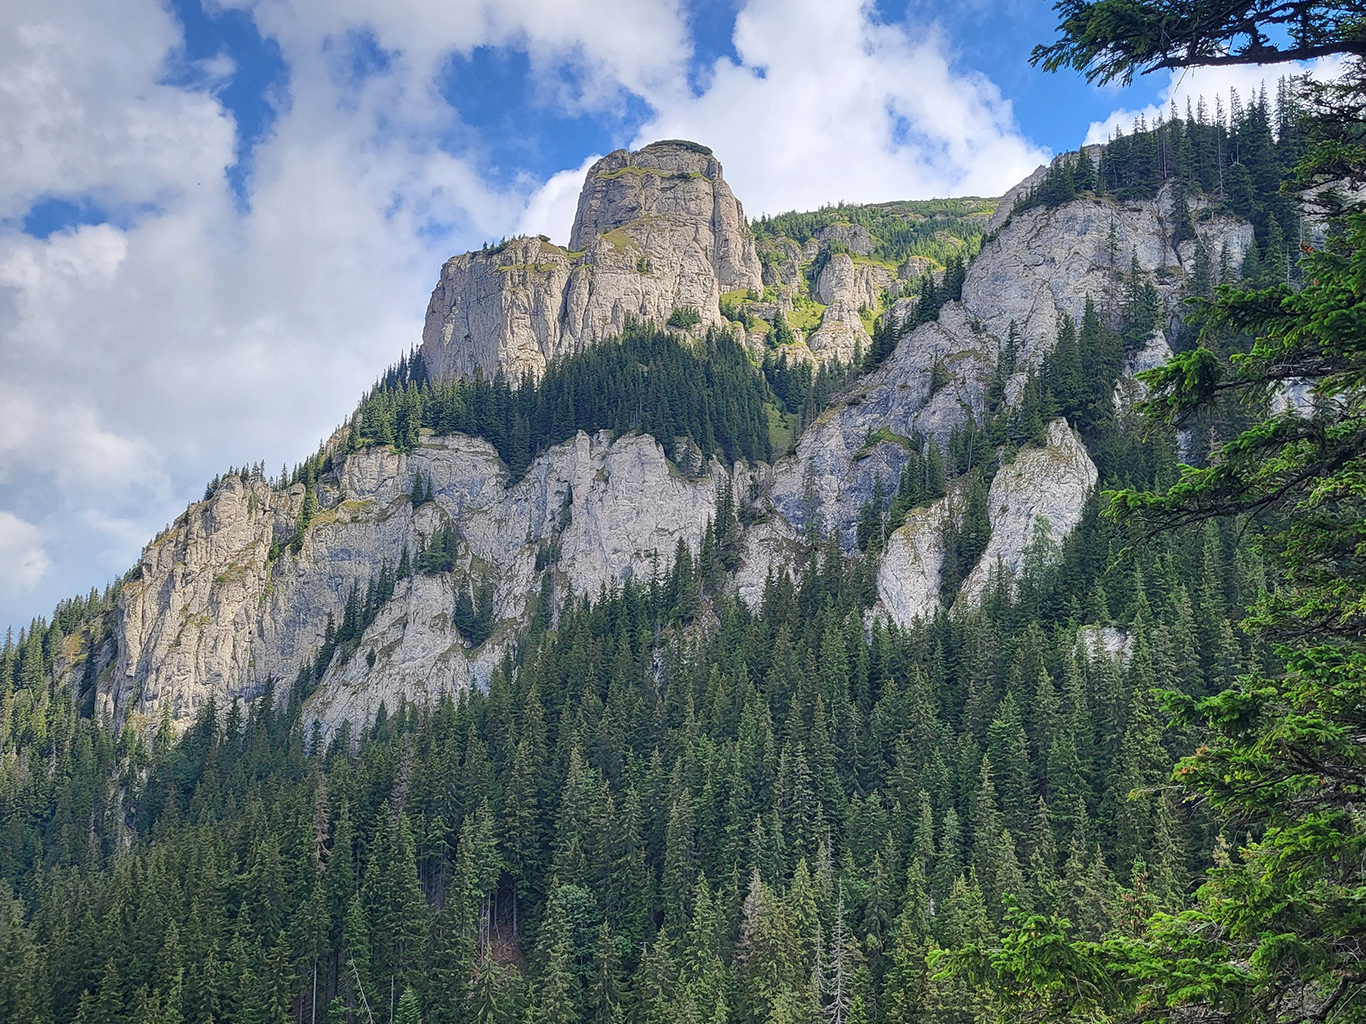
pixel 221 219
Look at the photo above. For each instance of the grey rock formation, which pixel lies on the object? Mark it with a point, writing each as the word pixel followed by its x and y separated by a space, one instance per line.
pixel 1034 503
pixel 859 284
pixel 208 612
pixel 783 264
pixel 841 333
pixel 838 280
pixel 1045 262
pixel 914 267
pixel 656 230
pixel 908 575
pixel 847 288
pixel 854 237
pixel 507 310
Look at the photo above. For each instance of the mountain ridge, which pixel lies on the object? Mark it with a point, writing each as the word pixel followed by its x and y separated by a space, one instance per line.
pixel 211 611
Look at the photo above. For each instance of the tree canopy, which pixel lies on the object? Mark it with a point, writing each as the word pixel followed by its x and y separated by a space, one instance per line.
pixel 1275 931
pixel 1110 40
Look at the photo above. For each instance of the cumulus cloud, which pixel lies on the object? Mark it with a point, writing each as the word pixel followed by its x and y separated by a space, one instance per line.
pixel 827 103
pixel 1190 85
pixel 85 112
pixel 22 558
pixel 551 208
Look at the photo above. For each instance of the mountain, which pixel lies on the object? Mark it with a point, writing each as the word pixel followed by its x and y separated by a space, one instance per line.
pixel 655 231
pixel 242 590
pixel 722 662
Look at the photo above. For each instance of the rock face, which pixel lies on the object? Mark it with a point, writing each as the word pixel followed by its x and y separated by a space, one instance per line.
pixel 859 284
pixel 908 577
pixel 854 237
pixel 847 289
pixel 657 230
pixel 1045 262
pixel 210 613
pixel 1034 503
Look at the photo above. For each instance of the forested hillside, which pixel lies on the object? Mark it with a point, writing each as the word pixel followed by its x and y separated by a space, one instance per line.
pixel 935 229
pixel 646 818
pixel 666 806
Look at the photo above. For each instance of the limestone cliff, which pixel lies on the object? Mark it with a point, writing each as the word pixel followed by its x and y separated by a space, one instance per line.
pixel 657 230
pixel 228 599
pixel 1041 264
pixel 1034 503
pixel 209 612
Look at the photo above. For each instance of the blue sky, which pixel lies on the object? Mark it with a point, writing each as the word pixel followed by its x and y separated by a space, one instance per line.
pixel 219 221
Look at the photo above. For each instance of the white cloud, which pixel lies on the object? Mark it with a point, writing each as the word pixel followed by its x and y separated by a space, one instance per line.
pixel 1191 84
pixel 550 210
pixel 84 112
pixel 829 104
pixel 22 558
pixel 639 45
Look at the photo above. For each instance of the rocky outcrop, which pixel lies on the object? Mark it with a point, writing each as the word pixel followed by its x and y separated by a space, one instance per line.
pixel 913 267
pixel 210 613
pixel 1034 503
pixel 502 310
pixel 656 231
pixel 1046 262
pixel 223 603
pixel 840 335
pixel 908 575
pixel 187 611
pixel 1042 264
pixel 848 290
pixel 859 284
pixel 854 237
pixel 783 264
pixel 677 182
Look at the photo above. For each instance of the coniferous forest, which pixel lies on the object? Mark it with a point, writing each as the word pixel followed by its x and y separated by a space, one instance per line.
pixel 669 807
pixel 789 815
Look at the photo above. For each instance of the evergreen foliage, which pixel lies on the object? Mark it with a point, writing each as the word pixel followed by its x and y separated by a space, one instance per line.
pixel 1275 931
pixel 1235 158
pixel 936 229
pixel 639 820
pixel 666 807
pixel 647 381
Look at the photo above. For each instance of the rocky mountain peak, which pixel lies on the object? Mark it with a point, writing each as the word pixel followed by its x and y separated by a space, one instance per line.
pixel 657 230
pixel 662 179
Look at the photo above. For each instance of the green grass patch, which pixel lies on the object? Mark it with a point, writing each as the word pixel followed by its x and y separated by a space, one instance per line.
pixel 806 314
pixel 881 436
pixel 782 428
pixel 619 240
